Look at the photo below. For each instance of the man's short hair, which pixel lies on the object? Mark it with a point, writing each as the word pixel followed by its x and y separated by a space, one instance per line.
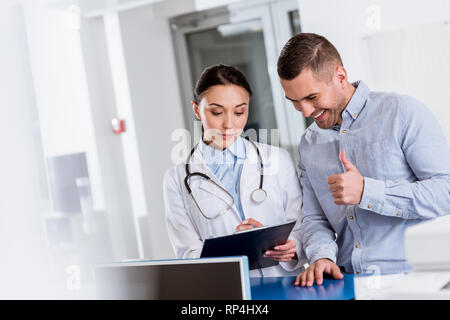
pixel 308 50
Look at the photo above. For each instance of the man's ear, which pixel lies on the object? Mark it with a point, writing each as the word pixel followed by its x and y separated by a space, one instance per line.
pixel 196 109
pixel 341 75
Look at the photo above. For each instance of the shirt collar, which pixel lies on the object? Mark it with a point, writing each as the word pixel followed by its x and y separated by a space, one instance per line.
pixel 215 157
pixel 237 148
pixel 358 100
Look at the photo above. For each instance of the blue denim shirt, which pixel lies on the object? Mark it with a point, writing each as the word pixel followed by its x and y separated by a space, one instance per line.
pixel 227 165
pixel 399 148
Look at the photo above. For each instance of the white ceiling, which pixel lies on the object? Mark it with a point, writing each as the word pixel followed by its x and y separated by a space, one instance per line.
pixel 92 8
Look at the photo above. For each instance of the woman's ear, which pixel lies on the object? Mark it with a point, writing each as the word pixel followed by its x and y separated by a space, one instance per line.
pixel 196 110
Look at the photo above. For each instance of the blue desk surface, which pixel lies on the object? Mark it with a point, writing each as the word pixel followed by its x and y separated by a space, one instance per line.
pixel 282 288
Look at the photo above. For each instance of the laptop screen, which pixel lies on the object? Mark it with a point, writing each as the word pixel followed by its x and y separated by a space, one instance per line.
pixel 216 278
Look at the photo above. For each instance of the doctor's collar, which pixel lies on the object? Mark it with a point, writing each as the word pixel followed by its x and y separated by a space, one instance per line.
pixel 226 156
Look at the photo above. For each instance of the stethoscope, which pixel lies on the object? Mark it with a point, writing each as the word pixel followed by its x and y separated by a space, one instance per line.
pixel 258 195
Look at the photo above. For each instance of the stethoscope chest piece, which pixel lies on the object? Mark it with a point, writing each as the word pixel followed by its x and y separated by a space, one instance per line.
pixel 259 195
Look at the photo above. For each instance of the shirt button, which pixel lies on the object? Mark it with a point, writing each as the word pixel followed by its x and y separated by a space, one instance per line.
pixel 351 217
pixel 354 115
pixel 344 131
pixel 399 213
pixel 369 206
pixel 357 245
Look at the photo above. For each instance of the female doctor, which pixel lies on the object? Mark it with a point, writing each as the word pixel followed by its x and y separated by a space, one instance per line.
pixel 228 183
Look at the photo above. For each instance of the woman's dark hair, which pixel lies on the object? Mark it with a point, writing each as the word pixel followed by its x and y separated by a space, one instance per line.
pixel 220 74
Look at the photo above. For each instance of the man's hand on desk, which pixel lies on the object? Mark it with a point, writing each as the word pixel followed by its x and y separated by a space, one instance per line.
pixel 315 272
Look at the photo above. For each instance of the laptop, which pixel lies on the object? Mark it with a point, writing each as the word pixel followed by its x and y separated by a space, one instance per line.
pixel 222 278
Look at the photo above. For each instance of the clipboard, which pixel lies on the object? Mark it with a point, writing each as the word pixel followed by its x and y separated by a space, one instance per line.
pixel 252 243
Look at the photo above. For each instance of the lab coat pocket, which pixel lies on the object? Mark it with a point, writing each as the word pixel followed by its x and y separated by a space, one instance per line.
pixel 210 207
pixel 205 214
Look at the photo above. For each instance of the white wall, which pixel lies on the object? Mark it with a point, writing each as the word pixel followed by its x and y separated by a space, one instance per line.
pixel 25 267
pixel 345 23
pixel 415 61
pixel 353 27
pixel 61 91
pixel 72 117
pixel 114 176
pixel 157 107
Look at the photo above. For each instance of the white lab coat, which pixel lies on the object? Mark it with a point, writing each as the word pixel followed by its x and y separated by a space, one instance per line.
pixel 188 228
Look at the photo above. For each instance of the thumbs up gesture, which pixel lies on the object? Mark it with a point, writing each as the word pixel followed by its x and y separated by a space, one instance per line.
pixel 347 187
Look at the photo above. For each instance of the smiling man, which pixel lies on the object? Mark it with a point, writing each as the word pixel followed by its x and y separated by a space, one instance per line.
pixel 372 164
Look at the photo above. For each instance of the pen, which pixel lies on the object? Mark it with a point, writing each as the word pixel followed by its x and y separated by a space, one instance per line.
pixel 246 222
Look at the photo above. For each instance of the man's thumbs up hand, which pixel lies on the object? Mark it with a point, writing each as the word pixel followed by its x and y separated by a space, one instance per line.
pixel 347 187
pixel 345 162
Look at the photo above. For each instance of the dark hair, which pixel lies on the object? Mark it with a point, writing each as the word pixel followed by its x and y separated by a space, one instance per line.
pixel 220 74
pixel 308 50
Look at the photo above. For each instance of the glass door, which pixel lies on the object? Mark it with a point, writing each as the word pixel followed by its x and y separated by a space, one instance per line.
pixel 244 35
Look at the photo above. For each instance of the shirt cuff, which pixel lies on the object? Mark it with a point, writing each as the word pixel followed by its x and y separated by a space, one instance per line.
pixel 373 195
pixel 291 265
pixel 294 264
pixel 323 255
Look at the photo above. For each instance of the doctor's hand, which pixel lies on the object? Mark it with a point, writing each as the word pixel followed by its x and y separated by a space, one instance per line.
pixel 316 272
pixel 247 224
pixel 284 252
pixel 347 187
